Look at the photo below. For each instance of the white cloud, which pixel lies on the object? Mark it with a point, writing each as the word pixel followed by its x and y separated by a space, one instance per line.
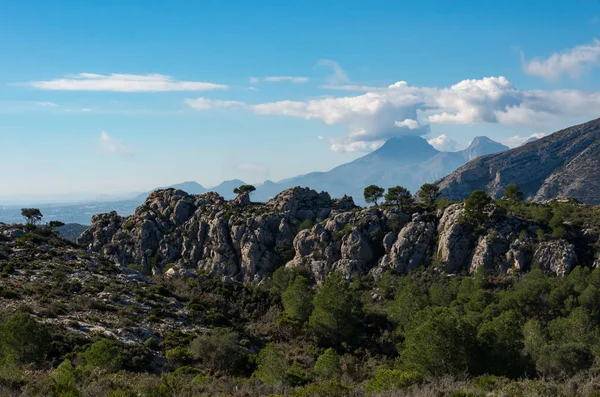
pixel 515 141
pixel 123 83
pixel 111 146
pixel 46 104
pixel 408 123
pixel 293 79
pixel 475 101
pixel 338 76
pixel 443 143
pixel 253 80
pixel 320 137
pixel 210 104
pixel 377 115
pixel 572 62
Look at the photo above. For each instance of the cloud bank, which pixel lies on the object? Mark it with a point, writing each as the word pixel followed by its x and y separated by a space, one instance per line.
pixel 403 109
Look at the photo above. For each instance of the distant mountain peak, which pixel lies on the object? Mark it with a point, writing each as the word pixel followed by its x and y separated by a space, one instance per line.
pixel 481 140
pixel 482 145
pixel 406 146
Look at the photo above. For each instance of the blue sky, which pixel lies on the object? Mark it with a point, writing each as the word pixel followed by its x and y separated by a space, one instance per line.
pixel 113 96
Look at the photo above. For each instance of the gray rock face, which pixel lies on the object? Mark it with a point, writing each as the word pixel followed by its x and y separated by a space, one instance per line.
pixel 455 239
pixel 207 233
pixel 349 242
pixel 490 253
pixel 519 256
pixel 412 248
pixel 556 257
pixel 248 241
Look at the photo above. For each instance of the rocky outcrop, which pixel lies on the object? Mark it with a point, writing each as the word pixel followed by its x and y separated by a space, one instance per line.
pixel 556 257
pixel 561 165
pixel 455 239
pixel 412 247
pixel 350 242
pixel 301 227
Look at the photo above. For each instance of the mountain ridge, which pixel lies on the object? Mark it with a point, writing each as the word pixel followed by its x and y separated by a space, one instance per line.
pixel 560 165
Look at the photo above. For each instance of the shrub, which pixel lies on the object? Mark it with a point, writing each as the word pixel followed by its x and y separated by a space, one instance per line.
pixel 338 310
pixel 22 337
pixel 178 355
pixel 271 365
pixel 297 300
pixel 104 354
pixel 64 380
pixel 307 224
pixel 11 376
pixel 218 351
pixel 438 343
pixel 328 365
pixel 390 379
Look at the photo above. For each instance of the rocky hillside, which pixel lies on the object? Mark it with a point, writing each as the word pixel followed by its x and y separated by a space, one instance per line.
pixel 173 233
pixel 469 320
pixel 561 165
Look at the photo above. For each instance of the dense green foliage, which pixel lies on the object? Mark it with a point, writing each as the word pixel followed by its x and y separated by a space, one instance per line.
pixel 373 194
pixel 428 195
pixel 244 189
pixel 400 197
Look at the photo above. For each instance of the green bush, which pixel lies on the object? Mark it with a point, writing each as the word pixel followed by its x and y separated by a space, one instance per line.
pixel 297 300
pixel 338 311
pixel 218 350
pixel 271 365
pixel 104 354
pixel 390 379
pixel 307 224
pixel 328 365
pixel 22 337
pixel 11 375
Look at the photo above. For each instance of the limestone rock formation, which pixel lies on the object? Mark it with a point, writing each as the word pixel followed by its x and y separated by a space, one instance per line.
pixel 178 234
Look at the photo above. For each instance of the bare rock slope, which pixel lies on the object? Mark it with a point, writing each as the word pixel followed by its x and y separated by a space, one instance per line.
pixel 564 164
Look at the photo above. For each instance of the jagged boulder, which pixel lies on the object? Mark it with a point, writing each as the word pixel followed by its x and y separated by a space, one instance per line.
pixel 490 253
pixel 519 255
pixel 556 257
pixel 104 227
pixel 302 203
pixel 455 239
pixel 412 247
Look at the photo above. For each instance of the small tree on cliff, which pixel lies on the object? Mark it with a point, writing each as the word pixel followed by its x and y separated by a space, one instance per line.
pixel 373 194
pixel 244 189
pixel 513 192
pixel 31 215
pixel 399 196
pixel 475 205
pixel 428 194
